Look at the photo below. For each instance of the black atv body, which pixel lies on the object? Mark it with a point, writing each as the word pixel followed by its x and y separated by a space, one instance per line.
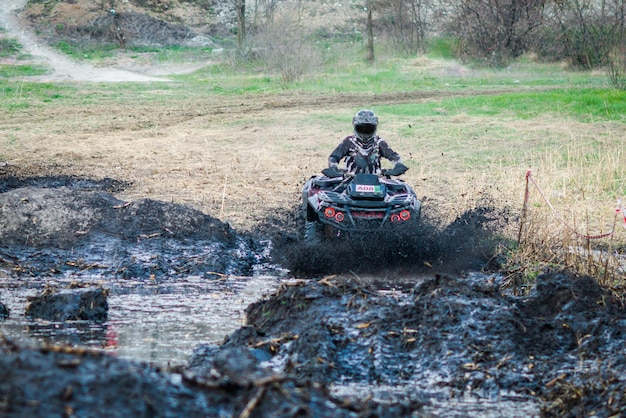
pixel 336 204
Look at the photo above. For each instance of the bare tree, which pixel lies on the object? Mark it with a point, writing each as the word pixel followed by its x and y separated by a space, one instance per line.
pixel 285 47
pixel 117 29
pixel 616 67
pixel 587 31
pixel 240 9
pixel 370 32
pixel 407 23
pixel 496 30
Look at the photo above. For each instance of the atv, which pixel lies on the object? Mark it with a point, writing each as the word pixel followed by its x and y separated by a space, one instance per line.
pixel 338 204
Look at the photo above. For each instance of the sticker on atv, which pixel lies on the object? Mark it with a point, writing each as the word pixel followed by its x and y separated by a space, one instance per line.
pixel 367 188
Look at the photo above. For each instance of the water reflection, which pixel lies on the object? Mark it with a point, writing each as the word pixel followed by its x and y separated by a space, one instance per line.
pixel 156 322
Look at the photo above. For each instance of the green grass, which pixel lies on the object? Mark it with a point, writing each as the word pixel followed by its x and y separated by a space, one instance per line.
pixel 9 47
pixel 21 70
pixel 169 54
pixel 88 52
pixel 524 90
pixel 442 47
pixel 19 95
pixel 585 105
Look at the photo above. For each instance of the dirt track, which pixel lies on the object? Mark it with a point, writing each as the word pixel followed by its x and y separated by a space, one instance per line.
pixel 63 68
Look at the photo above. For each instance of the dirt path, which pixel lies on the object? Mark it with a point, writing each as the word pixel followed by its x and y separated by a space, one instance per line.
pixel 63 68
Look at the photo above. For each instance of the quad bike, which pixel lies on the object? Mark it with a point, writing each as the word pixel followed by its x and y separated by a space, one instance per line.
pixel 338 204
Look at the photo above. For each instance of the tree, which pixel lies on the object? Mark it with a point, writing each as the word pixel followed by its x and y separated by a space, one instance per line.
pixel 496 30
pixel 240 8
pixel 588 31
pixel 370 32
pixel 407 23
pixel 285 47
pixel 117 29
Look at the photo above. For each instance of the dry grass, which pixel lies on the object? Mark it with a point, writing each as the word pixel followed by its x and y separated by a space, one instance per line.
pixel 575 217
pixel 244 159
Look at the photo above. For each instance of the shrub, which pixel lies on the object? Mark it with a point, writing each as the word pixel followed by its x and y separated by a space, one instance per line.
pixel 284 47
pixel 616 68
pixel 9 47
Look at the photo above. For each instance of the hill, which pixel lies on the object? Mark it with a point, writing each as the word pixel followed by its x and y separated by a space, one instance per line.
pixel 172 22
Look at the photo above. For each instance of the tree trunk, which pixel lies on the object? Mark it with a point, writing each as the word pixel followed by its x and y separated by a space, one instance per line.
pixel 241 20
pixel 370 33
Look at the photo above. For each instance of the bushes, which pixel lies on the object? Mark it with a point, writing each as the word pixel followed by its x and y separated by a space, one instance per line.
pixel 495 31
pixel 616 68
pixel 9 46
pixel 285 47
pixel 582 32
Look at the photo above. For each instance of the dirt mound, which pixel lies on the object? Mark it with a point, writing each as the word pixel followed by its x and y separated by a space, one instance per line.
pixel 86 303
pixel 461 337
pixel 131 23
pixel 63 381
pixel 85 230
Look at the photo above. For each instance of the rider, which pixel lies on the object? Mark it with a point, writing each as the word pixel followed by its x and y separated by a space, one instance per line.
pixel 363 149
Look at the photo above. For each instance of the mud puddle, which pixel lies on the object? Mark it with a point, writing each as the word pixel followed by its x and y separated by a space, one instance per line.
pixel 438 403
pixel 155 322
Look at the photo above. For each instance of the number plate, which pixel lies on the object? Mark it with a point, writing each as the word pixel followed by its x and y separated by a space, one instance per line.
pixel 367 188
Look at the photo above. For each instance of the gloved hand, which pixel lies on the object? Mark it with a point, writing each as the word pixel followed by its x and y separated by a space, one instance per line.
pixel 397 170
pixel 333 172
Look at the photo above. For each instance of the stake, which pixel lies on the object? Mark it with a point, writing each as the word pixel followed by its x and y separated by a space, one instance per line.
pixel 223 195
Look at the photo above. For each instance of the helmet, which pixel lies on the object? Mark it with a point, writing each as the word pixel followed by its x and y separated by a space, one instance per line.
pixel 365 123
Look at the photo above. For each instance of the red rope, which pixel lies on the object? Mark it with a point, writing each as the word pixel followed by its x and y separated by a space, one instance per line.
pixel 556 214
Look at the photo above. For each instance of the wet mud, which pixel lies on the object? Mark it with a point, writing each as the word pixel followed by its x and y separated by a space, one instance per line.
pixel 70 226
pixel 4 311
pixel 416 322
pixel 74 304
pixel 449 338
pixel 54 381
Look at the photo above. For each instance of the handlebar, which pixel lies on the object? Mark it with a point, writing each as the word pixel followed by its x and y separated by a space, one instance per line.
pixel 397 170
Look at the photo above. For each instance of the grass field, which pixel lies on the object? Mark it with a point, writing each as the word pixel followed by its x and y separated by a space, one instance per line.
pixel 238 143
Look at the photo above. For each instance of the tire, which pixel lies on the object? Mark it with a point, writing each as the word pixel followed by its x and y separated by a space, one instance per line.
pixel 313 232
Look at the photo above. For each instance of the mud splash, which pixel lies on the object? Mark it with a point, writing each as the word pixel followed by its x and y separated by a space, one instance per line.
pixel 467 244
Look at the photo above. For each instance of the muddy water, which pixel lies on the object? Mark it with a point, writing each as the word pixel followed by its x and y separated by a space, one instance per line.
pixel 162 322
pixel 155 322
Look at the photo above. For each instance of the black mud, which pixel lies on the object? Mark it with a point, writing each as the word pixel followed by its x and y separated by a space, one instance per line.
pixel 63 381
pixel 78 303
pixel 407 323
pixel 70 226
pixel 450 338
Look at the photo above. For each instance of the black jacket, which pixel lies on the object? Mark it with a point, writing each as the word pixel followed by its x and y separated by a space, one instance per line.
pixel 363 159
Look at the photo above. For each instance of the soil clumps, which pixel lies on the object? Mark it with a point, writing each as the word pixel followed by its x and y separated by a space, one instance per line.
pixel 451 337
pixel 76 227
pixel 406 344
pixel 62 381
pixel 78 304
pixel 4 311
